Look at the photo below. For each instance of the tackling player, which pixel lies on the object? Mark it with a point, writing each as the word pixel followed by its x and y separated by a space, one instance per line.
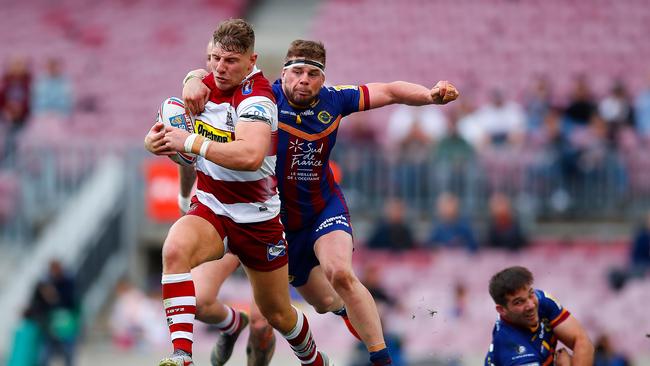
pixel 314 212
pixel 236 206
pixel 530 323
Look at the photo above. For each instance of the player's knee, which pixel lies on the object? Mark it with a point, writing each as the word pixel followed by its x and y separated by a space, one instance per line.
pixel 260 327
pixel 342 279
pixel 324 304
pixel 277 319
pixel 173 255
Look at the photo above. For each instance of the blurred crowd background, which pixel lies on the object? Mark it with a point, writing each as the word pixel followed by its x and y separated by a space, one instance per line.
pixel 543 161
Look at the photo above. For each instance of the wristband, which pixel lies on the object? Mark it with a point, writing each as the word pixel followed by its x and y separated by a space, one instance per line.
pixel 189 142
pixel 190 76
pixel 204 147
pixel 184 203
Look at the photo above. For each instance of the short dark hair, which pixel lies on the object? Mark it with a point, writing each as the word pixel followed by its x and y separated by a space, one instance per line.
pixel 312 50
pixel 234 35
pixel 509 281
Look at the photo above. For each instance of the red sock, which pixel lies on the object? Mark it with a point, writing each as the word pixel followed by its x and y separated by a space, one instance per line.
pixel 179 300
pixel 232 323
pixel 302 343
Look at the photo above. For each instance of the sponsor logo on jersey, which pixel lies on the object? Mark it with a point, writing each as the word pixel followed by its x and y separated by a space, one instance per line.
pixel 521 349
pixel 247 88
pixel 291 113
pixel 229 121
pixel 274 251
pixel 212 133
pixel 324 117
pixel 257 112
pixel 336 220
pixel 291 278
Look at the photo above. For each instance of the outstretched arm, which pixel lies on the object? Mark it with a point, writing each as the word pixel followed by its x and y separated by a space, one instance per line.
pixel 571 333
pixel 402 92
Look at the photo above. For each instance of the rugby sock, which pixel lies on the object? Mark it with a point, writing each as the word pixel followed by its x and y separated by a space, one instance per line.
pixel 379 355
pixel 342 312
pixel 232 323
pixel 302 343
pixel 179 301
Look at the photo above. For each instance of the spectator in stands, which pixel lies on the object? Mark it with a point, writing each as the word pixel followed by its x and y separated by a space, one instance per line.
pixel 605 354
pixel 392 232
pixel 597 159
pixel 617 106
pixel 58 307
pixel 412 132
pixel 616 109
pixel 127 316
pixel 581 105
pixel 504 230
pixel 450 228
pixel 537 103
pixel 642 110
pixel 467 124
pixel 556 162
pixel 639 260
pixel 53 91
pixel 15 100
pixel 503 122
pixel 26 342
pixel 455 164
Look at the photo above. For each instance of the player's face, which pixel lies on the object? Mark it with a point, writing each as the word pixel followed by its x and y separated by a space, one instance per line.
pixel 302 84
pixel 230 68
pixel 521 308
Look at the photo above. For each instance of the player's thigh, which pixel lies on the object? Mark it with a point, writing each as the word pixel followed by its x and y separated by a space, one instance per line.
pixel 193 238
pixel 209 276
pixel 318 291
pixel 334 251
pixel 271 290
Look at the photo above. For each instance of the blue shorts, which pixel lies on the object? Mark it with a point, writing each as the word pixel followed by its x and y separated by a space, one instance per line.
pixel 302 258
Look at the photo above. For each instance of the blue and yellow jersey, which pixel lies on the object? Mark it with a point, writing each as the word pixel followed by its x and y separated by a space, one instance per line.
pixel 306 136
pixel 513 345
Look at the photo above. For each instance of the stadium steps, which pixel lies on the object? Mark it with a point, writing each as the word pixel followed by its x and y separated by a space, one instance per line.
pixel 276 24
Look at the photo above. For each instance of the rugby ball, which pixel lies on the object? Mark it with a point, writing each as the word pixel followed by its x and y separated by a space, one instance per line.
pixel 172 113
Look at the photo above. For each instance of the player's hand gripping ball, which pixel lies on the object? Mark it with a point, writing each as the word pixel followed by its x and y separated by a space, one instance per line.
pixel 172 113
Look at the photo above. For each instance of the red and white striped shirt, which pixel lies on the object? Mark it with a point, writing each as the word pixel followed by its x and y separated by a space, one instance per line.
pixel 243 196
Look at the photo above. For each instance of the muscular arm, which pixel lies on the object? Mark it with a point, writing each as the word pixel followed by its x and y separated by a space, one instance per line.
pixel 402 92
pixel 247 152
pixel 571 333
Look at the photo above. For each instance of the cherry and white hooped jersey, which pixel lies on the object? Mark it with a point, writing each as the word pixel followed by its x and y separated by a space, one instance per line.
pixel 243 196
